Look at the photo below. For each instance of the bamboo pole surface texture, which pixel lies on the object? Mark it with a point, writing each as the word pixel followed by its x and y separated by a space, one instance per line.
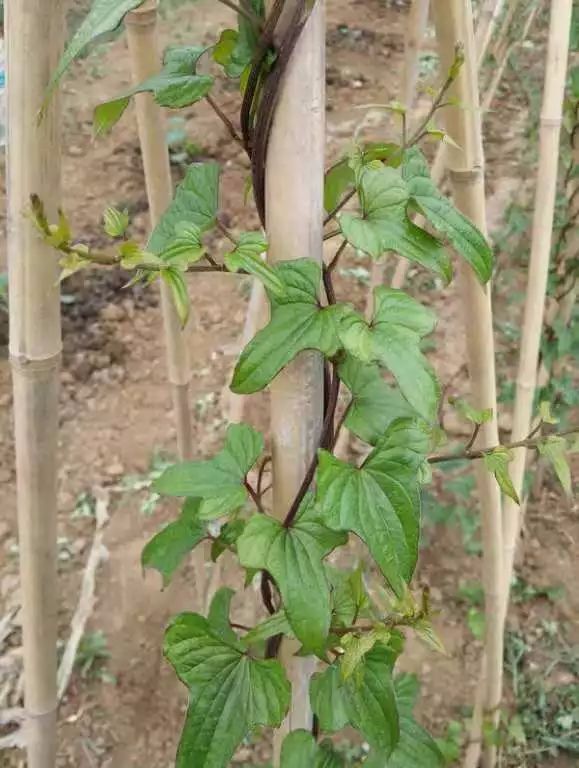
pixel 550 129
pixel 453 22
pixel 34 36
pixel 294 195
pixel 145 61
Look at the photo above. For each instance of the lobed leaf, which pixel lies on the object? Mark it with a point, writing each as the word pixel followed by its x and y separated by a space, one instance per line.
pixel 229 692
pixel 248 256
pixel 554 449
pixel 219 481
pixel 497 462
pixel 294 557
pixel 167 549
pixel 177 85
pixel 380 501
pixel 384 224
pixel 196 202
pixel 469 242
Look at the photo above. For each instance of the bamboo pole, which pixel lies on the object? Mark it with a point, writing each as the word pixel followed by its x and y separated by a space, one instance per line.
pixel 143 44
pixel 505 57
pixel 142 39
pixel 550 122
pixel 486 23
pixel 294 195
pixel 34 36
pixel 453 21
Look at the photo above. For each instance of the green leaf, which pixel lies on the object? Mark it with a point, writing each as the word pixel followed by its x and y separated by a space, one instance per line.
pixel 196 202
pixel 476 622
pixel 545 413
pixel 293 556
pixel 349 597
pixel 385 226
pixel 370 701
pixel 379 501
pixel 355 648
pixel 229 692
pixel 218 616
pixel 444 217
pixel 476 416
pixel 554 449
pixel 248 256
pixel 185 249
pixel 103 17
pixel 176 86
pixel 236 49
pixel 176 282
pixel 300 750
pixel 115 221
pixel 297 323
pixel 375 404
pixel 497 462
pixel 273 625
pixel 338 179
pixel 220 480
pixel 416 748
pixel 227 537
pixel 166 551
pixel 398 325
pixel 327 699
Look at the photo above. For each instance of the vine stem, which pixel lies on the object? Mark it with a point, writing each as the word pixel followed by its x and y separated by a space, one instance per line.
pixel 480 454
pixel 244 11
pixel 224 119
pixel 255 496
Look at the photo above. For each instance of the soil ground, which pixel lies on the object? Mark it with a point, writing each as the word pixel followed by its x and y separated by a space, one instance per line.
pixel 116 414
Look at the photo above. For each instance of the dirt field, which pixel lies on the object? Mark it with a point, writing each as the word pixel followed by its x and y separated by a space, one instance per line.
pixel 116 417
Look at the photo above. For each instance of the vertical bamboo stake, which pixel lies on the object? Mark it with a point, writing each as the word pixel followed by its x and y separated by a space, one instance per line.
pixel 34 36
pixel 142 38
pixel 294 194
pixel 453 22
pixel 487 20
pixel 144 49
pixel 551 116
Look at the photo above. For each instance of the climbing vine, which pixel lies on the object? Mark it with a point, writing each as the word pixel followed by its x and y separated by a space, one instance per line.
pixel 234 678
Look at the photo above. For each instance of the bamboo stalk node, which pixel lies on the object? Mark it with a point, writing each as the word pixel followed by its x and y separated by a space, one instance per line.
pixel 551 122
pixel 466 177
pixel 30 367
pixel 143 16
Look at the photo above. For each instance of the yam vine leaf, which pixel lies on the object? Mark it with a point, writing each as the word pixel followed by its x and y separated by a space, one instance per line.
pixel 297 323
pixel 248 256
pixel 380 500
pixel 300 750
pixel 497 462
pixel 384 224
pixel 444 217
pixel 104 17
pixel 375 403
pixel 167 549
pixel 229 692
pixel 416 748
pixel 219 481
pixel 196 202
pixel 366 700
pixel 554 449
pixel 177 85
pixel 235 49
pixel 294 557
